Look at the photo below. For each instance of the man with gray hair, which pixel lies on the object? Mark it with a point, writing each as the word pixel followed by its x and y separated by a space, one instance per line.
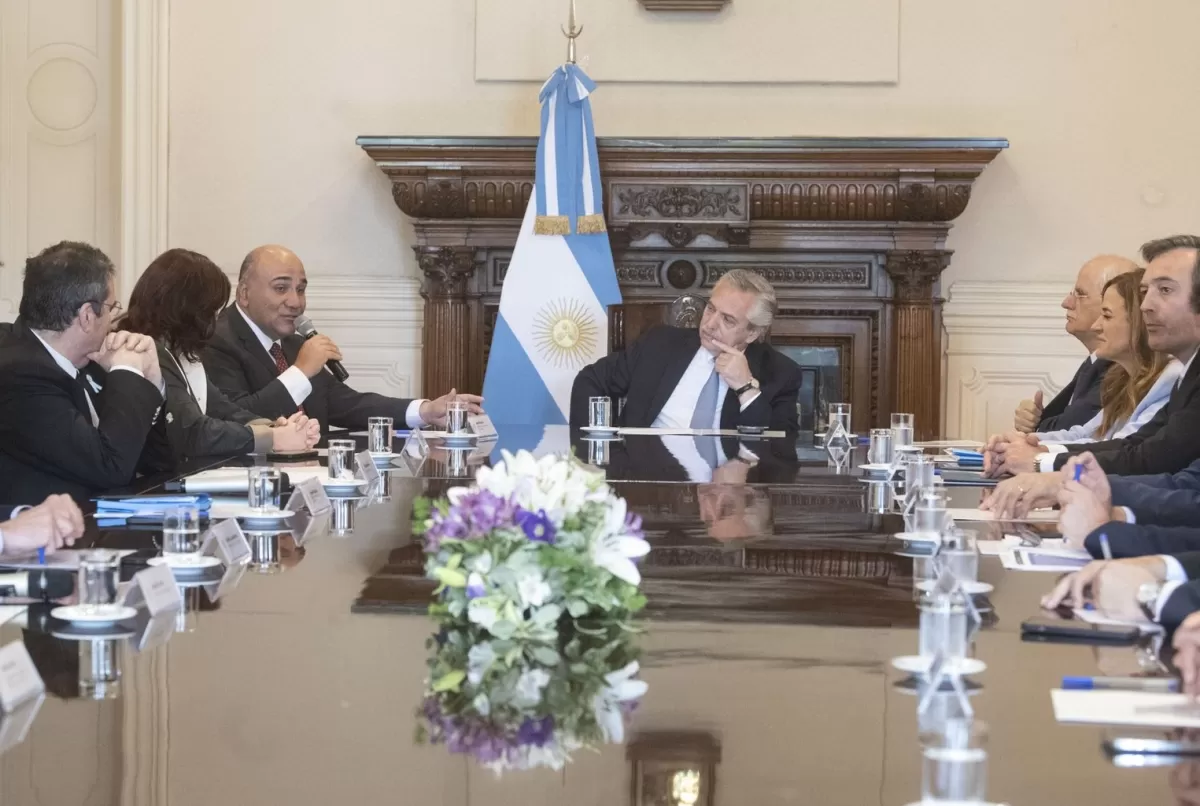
pixel 722 375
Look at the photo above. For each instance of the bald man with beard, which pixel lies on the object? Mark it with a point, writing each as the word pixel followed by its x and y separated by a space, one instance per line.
pixel 259 361
pixel 1079 400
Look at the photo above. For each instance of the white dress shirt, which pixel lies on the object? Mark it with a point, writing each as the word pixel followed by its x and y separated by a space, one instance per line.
pixel 197 380
pixel 678 410
pixel 1176 576
pixel 684 449
pixel 300 387
pixel 73 371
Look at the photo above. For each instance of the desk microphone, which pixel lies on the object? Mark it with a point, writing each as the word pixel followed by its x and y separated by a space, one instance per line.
pixel 305 328
pixel 37 584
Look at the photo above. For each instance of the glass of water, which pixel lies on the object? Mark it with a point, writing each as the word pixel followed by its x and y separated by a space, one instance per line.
pixel 379 434
pixel 341 458
pixel 839 416
pixel 954 766
pixel 902 430
pixel 930 517
pixel 600 412
pixel 181 535
pixel 100 669
pixel 879 451
pixel 959 554
pixel 456 417
pixel 264 490
pixel 99 571
pixel 944 626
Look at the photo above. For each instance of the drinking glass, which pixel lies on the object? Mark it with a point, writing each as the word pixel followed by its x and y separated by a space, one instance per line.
pixel 839 415
pixel 456 417
pixel 264 552
pixel 598 453
pixel 943 626
pixel 600 412
pixel 959 554
pixel 341 458
pixel 929 519
pixel 100 669
pixel 264 490
pixel 902 430
pixel 379 434
pixel 879 452
pixel 954 765
pixel 181 534
pixel 341 519
pixel 99 570
pixel 879 497
pixel 456 463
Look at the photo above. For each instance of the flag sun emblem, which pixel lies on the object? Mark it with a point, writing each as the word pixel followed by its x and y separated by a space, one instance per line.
pixel 565 333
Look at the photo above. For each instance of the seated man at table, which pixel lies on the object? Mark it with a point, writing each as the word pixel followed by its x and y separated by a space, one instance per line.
pixel 51 525
pixel 1161 589
pixel 719 376
pixel 79 405
pixel 259 361
pixel 1079 400
pixel 1171 440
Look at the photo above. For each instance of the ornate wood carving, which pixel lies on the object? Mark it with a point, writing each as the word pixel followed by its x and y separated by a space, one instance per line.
pixel 851 232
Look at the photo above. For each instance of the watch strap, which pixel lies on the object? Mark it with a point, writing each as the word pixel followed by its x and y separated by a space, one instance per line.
pixel 741 390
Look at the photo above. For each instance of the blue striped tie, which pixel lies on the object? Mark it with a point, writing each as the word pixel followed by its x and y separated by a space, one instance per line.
pixel 704 415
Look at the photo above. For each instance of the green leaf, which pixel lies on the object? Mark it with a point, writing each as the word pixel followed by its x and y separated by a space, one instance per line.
pixel 577 608
pixel 545 656
pixel 503 628
pixel 450 681
pixel 450 578
pixel 454 562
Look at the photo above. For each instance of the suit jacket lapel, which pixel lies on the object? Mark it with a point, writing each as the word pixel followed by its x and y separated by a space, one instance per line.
pixel 37 348
pixel 1187 385
pixel 250 341
pixel 677 364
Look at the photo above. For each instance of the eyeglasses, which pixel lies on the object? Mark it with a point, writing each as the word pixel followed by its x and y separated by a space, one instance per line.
pixel 114 307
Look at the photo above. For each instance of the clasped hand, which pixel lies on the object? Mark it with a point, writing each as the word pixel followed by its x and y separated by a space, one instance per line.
pixel 295 433
pixel 135 350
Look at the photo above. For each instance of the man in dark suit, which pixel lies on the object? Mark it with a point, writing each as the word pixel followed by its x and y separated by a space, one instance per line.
pixel 719 376
pixel 259 361
pixel 1079 400
pixel 1170 441
pixel 79 405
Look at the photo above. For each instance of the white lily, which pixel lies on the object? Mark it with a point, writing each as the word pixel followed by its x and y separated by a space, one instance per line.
pixel 482 612
pixel 614 550
pixel 533 590
pixel 606 705
pixel 529 688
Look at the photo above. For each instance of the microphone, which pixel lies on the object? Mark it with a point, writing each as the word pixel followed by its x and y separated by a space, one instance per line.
pixel 305 328
pixel 39 584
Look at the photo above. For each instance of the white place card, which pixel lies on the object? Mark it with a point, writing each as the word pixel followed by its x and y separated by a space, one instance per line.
pixel 229 542
pixel 482 426
pixel 233 576
pixel 313 494
pixel 366 467
pixel 19 678
pixel 14 727
pixel 156 588
pixel 156 631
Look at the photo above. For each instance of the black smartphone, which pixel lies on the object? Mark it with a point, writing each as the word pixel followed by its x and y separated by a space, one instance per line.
pixel 1148 742
pixel 1072 630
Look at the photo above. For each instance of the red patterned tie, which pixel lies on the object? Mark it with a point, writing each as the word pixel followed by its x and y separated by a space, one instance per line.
pixel 281 363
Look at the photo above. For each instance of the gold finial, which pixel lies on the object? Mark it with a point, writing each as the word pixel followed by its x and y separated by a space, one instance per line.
pixel 571 32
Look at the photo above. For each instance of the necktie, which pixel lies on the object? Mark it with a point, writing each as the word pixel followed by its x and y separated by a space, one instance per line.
pixel 281 363
pixel 704 415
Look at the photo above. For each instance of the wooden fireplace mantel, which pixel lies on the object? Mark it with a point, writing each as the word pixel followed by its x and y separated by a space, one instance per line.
pixel 851 231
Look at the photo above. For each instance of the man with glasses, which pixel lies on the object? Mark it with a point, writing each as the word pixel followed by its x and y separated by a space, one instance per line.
pixel 79 404
pixel 1079 400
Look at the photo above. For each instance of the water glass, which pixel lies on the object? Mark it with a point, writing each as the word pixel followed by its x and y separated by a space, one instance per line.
pixel 598 452
pixel 959 554
pixel 264 552
pixel 456 417
pixel 600 412
pixel 918 475
pixel 879 497
pixel 954 765
pixel 879 452
pixel 379 434
pixel 100 669
pixel 944 626
pixel 341 518
pixel 181 534
pixel 929 519
pixel 902 430
pixel 341 458
pixel 456 463
pixel 265 487
pixel 99 571
pixel 839 416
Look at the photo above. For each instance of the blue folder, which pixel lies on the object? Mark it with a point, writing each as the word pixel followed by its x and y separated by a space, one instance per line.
pixel 150 505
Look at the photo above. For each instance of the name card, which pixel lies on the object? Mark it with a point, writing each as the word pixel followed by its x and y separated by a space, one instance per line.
pixel 156 588
pixel 233 576
pixel 366 467
pixel 229 541
pixel 19 678
pixel 14 727
pixel 312 494
pixel 156 631
pixel 482 426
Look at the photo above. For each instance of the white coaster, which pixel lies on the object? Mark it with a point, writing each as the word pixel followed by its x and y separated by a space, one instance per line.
pixel 76 614
pixel 194 563
pixel 915 664
pixel 969 588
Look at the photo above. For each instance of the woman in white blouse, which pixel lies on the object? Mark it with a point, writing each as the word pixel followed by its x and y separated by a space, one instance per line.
pixel 1140 380
pixel 176 302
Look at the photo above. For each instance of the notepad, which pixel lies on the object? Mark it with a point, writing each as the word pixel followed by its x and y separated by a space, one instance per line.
pixel 1058 561
pixel 1036 516
pixel 1125 708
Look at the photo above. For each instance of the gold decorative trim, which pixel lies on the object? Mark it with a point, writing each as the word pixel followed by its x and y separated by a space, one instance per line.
pixel 552 225
pixel 590 224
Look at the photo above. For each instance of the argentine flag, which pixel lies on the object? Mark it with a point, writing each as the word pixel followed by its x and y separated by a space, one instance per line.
pixel 554 303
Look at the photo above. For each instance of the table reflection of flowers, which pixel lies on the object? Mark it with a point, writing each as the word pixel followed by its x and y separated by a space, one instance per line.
pixel 535 655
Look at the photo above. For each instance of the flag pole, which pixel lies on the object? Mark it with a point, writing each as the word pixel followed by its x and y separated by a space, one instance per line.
pixel 571 32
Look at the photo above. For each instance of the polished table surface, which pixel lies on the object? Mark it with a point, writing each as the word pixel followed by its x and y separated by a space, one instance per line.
pixel 774 611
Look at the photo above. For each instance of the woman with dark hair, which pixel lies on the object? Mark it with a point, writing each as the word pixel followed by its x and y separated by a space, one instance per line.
pixel 176 302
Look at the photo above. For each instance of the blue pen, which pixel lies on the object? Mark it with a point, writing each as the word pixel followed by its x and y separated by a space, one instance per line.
pixel 41 556
pixel 1105 549
pixel 1156 684
pixel 1078 471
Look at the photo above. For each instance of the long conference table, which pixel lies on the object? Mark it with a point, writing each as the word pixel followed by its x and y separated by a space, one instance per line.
pixel 776 601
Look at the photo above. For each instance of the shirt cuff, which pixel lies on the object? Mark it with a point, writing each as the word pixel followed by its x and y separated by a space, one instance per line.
pixel 1129 516
pixel 1045 461
pixel 1175 572
pixel 1164 594
pixel 162 385
pixel 747 454
pixel 297 384
pixel 750 399
pixel 412 415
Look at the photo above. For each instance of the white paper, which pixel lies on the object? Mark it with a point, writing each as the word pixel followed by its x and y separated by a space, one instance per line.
pixel 1114 707
pixel 994 548
pixel 1036 516
pixel 157 589
pixel 1059 561
pixel 19 678
pixel 63 559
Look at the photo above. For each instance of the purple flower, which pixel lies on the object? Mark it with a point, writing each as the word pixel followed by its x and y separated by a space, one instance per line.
pixel 474 516
pixel 475 586
pixel 535 525
pixel 537 732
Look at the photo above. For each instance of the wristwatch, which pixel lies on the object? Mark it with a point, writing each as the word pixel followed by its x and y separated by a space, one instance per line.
pixel 743 389
pixel 1147 598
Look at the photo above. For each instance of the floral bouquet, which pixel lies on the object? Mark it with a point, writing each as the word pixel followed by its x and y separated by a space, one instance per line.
pixel 535 654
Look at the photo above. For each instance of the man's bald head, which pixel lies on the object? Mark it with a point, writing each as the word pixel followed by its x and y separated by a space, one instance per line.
pixel 271 289
pixel 1083 303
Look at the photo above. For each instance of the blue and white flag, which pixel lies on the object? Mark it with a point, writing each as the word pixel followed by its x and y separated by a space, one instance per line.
pixel 554 303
